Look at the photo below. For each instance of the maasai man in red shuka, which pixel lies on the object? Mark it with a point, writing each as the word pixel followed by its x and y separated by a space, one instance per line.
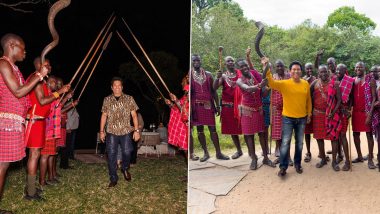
pixel 359 115
pixel 203 110
pixel 41 98
pixel 230 125
pixel 52 133
pixel 250 111
pixel 337 124
pixel 14 103
pixel 308 127
pixel 372 104
pixel 319 92
pixel 178 124
pixel 276 99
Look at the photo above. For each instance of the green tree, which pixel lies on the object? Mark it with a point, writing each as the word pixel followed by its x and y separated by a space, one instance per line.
pixel 206 4
pixel 344 17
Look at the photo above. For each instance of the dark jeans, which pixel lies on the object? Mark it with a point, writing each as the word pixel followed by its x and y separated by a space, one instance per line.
pixel 70 143
pixel 288 124
pixel 113 141
pixel 65 151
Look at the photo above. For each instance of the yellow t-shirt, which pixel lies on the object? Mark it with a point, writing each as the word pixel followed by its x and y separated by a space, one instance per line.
pixel 295 96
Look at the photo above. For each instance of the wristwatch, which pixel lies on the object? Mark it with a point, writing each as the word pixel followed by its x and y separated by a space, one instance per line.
pixel 136 130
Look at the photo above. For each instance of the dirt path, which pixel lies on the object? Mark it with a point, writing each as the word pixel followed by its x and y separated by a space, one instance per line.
pixel 314 191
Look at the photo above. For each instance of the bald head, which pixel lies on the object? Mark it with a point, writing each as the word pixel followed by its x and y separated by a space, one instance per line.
pixel 9 38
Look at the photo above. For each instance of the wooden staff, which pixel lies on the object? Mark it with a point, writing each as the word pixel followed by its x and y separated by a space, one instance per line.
pixel 349 142
pixel 147 57
pixel 95 52
pixel 96 63
pixel 88 53
pixel 93 45
pixel 220 49
pixel 270 122
pixel 138 61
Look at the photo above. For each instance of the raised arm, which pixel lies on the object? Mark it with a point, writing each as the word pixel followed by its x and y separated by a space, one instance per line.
pixel 318 58
pixel 248 58
pixel 274 84
pixel 218 80
pixel 13 83
pixel 44 100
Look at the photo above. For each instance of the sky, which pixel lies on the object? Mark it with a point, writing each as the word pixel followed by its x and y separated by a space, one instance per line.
pixel 289 13
pixel 157 26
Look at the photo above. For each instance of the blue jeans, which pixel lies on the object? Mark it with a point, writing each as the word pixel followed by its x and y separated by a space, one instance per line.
pixel 288 124
pixel 112 144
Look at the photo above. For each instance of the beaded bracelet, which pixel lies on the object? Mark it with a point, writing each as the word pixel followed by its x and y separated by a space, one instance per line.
pixel 56 95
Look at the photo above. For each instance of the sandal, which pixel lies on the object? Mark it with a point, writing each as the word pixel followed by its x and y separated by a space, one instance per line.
pixel 237 155
pixel 357 160
pixel 253 165
pixel 346 166
pixel 193 157
pixel 307 157
pixel 276 161
pixel 321 164
pixel 335 166
pixel 205 157
pixel 268 162
pixel 371 165
pixel 221 156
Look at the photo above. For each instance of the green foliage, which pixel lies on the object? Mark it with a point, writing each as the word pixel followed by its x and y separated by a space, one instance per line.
pixel 222 26
pixel 345 17
pixel 206 4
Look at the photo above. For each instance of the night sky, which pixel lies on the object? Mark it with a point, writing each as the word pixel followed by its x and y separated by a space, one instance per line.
pixel 159 26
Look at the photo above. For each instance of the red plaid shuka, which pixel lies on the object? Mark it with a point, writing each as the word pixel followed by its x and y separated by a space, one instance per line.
pixel 276 99
pixel 177 128
pixel 345 87
pixel 229 124
pixel 202 104
pixel 61 142
pixel 319 110
pixel 375 120
pixel 334 124
pixel 50 147
pixel 13 112
pixel 251 114
pixel 53 122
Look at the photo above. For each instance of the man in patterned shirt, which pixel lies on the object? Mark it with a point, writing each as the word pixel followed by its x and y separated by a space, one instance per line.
pixel 116 112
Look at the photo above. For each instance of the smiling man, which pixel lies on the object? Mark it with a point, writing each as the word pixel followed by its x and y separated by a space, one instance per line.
pixel 295 114
pixel 116 112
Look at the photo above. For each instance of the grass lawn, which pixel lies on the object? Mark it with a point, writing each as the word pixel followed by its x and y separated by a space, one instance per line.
pixel 155 188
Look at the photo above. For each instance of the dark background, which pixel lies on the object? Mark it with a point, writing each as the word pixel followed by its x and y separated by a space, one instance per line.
pixel 159 26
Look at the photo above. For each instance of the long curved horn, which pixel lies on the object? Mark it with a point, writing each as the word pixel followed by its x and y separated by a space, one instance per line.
pixel 58 6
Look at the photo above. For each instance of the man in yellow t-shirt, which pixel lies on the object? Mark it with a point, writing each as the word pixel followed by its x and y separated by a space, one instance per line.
pixel 295 114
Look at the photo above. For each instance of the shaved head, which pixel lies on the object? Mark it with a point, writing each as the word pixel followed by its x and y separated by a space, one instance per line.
pixel 9 37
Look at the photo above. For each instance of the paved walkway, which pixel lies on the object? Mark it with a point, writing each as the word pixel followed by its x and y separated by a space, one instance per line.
pixel 213 178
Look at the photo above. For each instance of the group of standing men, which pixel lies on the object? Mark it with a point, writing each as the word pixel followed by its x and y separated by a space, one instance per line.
pixel 31 116
pixel 286 101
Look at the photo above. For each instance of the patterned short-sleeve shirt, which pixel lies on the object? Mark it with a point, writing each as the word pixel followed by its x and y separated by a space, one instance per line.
pixel 119 114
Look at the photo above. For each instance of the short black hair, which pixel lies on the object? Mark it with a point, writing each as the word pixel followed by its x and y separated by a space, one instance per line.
pixel 116 79
pixel 295 63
